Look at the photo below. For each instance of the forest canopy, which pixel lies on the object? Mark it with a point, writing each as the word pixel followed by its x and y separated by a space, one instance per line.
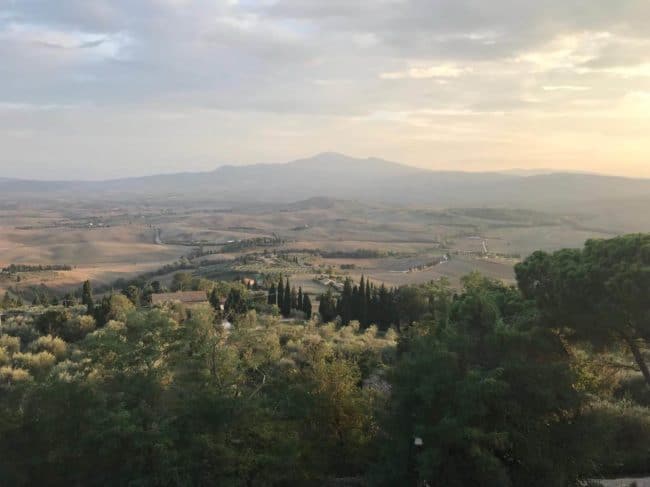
pixel 539 384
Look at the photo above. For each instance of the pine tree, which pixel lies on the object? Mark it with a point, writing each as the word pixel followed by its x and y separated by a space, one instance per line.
pixel 87 297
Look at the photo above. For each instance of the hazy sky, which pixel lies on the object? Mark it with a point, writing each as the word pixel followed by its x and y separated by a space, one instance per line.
pixel 105 88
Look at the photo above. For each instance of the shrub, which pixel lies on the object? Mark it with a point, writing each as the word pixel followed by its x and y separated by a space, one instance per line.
pixel 10 343
pixel 37 363
pixel 23 329
pixel 48 343
pixel 78 327
pixel 5 358
pixel 623 431
pixel 9 375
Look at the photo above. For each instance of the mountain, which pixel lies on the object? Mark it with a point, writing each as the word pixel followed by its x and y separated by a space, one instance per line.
pixel 338 176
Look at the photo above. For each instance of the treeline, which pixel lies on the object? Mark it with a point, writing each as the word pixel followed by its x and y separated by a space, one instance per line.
pixel 540 384
pixel 385 307
pixel 289 300
pixel 252 243
pixel 342 254
pixel 14 268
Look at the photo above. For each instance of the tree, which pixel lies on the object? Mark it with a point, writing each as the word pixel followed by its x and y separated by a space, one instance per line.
pixel 215 300
pixel 411 303
pixel 306 306
pixel 87 297
pixel 281 296
pixel 327 307
pixel 364 289
pixel 235 303
pixel 286 303
pixel 489 398
pixel 7 302
pixel 346 302
pixel 272 297
pixel 119 307
pixel 134 293
pixel 294 299
pixel 598 294
pixel 182 281
pixel 299 302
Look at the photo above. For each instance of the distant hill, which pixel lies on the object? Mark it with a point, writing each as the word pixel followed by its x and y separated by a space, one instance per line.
pixel 337 176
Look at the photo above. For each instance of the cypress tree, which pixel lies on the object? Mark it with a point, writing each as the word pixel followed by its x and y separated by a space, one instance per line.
pixel 286 306
pixel 367 302
pixel 272 299
pixel 294 299
pixel 299 300
pixel 363 306
pixel 327 307
pixel 87 297
pixel 346 302
pixel 280 292
pixel 306 305
pixel 215 302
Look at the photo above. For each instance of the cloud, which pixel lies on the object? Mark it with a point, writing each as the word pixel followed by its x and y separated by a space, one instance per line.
pixel 440 71
pixel 341 61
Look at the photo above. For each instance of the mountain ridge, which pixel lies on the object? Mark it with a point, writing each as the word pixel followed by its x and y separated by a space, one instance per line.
pixel 335 175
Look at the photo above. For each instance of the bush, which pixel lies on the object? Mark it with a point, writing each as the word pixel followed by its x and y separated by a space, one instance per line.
pixel 48 343
pixel 5 358
pixel 78 327
pixel 623 431
pixel 9 375
pixel 10 343
pixel 634 388
pixel 37 363
pixel 23 329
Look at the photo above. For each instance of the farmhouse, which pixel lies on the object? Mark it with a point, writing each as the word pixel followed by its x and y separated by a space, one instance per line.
pixel 189 298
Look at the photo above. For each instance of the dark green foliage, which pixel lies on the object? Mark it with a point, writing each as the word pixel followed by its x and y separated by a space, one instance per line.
pixel 286 299
pixel 493 404
pixel 599 293
pixel 215 300
pixel 52 322
pixel 87 297
pixel 236 303
pixel 495 382
pixel 281 295
pixel 306 306
pixel 327 307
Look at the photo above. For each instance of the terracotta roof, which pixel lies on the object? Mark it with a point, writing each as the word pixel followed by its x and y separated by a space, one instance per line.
pixel 187 297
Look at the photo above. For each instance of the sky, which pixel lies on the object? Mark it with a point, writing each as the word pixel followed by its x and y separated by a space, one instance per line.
pixel 93 89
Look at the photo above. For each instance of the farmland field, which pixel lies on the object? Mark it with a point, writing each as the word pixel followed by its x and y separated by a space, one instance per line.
pixel 307 240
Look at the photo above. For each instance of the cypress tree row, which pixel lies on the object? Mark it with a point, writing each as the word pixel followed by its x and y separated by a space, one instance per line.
pixel 364 303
